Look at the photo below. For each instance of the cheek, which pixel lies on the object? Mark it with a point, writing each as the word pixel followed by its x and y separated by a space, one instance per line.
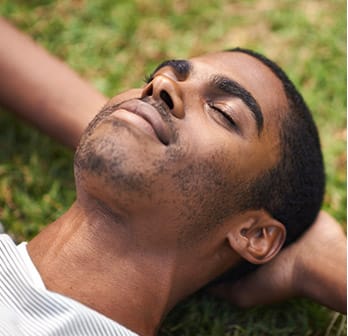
pixel 205 196
pixel 236 156
pixel 225 150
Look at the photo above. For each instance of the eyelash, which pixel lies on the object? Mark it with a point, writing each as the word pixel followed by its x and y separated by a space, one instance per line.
pixel 223 114
pixel 148 78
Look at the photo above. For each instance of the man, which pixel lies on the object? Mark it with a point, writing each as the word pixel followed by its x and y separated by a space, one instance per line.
pixel 170 195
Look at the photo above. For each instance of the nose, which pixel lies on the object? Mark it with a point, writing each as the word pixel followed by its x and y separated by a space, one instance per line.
pixel 168 91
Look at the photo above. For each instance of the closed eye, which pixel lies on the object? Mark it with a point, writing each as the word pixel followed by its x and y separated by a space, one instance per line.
pixel 224 115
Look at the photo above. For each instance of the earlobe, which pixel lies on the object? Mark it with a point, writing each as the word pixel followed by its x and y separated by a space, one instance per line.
pixel 257 239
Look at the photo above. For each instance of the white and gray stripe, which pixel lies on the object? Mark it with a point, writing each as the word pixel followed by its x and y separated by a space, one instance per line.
pixel 27 308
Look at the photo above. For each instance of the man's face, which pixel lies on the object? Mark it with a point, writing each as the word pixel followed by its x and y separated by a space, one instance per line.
pixel 178 153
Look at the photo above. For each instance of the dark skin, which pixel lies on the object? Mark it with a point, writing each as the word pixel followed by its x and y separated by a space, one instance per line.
pixel 73 240
pixel 185 139
pixel 310 268
pixel 123 211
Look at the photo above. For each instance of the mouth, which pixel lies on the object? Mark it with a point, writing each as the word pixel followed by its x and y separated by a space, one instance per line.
pixel 146 118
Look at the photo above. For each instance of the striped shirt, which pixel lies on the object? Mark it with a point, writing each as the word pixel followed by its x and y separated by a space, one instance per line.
pixel 28 308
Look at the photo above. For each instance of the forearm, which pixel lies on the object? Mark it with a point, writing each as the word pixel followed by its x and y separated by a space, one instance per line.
pixel 43 90
pixel 324 279
pixel 315 267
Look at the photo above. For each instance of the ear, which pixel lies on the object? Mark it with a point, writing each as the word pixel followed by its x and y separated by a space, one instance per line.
pixel 258 237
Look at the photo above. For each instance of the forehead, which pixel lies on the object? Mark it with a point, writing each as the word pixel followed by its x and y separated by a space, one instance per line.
pixel 252 74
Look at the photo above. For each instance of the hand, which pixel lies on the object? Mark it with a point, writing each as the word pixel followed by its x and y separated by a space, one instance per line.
pixel 314 266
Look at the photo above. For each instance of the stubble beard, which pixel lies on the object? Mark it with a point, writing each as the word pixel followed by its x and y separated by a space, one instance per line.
pixel 200 195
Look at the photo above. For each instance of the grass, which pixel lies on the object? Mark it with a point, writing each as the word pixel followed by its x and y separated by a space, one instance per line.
pixel 113 44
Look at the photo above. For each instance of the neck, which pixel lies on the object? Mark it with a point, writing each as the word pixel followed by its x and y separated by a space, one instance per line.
pixel 117 280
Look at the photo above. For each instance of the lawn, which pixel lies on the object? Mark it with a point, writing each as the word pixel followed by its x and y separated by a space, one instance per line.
pixel 114 44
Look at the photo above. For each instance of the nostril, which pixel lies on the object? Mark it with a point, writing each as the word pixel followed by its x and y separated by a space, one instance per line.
pixel 166 98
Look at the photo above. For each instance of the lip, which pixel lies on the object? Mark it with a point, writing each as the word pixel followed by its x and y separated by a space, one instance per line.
pixel 150 115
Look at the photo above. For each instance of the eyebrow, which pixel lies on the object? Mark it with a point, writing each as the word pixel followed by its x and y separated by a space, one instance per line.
pixel 231 87
pixel 220 82
pixel 182 67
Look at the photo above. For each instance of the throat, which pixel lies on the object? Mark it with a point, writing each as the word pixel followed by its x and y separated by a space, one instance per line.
pixel 101 269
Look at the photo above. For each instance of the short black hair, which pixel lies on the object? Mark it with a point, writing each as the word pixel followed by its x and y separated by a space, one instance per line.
pixel 292 191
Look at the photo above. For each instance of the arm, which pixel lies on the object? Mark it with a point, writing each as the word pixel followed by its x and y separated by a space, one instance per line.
pixel 313 267
pixel 323 265
pixel 41 89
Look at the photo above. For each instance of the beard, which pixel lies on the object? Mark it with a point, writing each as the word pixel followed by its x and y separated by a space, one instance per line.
pixel 114 165
pixel 116 154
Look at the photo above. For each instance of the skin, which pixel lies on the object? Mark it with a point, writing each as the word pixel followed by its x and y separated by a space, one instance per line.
pixel 310 267
pixel 43 90
pixel 154 164
pixel 123 214
pixel 285 276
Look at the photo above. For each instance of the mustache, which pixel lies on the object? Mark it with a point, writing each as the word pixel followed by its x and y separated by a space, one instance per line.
pixel 160 107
